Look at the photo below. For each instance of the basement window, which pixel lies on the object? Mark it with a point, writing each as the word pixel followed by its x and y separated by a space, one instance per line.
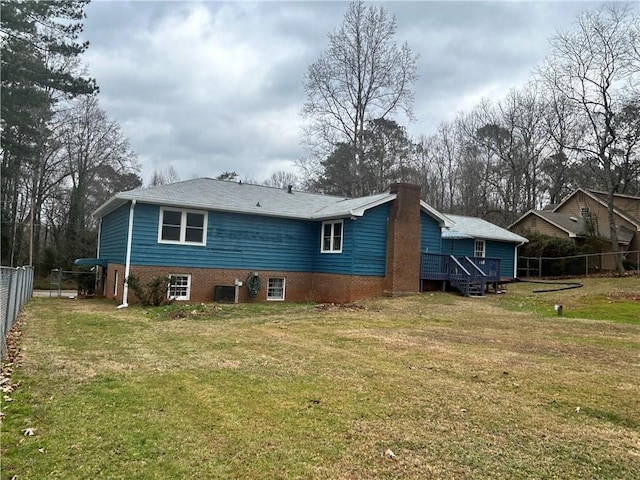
pixel 332 237
pixel 275 288
pixel 179 287
pixel 182 227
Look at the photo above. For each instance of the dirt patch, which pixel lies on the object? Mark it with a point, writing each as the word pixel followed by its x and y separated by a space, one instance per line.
pixel 351 307
pixel 627 296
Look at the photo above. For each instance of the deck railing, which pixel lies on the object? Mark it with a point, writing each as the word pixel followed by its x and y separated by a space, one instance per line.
pixel 459 276
pixel 490 267
pixel 467 274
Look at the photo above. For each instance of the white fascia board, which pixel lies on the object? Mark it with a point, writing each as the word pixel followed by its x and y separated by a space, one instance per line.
pixel 443 219
pixel 359 212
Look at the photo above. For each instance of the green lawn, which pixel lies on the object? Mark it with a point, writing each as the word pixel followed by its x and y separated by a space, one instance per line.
pixel 496 387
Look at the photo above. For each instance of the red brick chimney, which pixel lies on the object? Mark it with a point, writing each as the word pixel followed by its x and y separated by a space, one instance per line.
pixel 403 241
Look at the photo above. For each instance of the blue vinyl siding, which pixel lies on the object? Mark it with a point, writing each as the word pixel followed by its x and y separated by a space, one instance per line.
pixel 370 237
pixel 113 235
pixel 364 251
pixel 505 251
pixel 459 248
pixel 430 235
pixel 264 243
pixel 233 241
pixel 370 242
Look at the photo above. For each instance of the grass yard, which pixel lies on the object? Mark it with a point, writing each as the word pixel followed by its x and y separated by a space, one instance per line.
pixel 430 386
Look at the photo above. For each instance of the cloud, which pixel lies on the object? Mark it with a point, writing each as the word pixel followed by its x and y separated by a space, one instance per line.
pixel 209 87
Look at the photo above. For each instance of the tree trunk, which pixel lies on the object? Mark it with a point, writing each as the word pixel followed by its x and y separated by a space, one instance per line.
pixel 615 247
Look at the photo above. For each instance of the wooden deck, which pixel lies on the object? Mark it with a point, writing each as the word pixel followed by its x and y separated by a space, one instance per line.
pixel 470 275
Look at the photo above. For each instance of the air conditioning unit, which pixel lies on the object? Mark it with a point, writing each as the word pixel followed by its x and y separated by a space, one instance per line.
pixel 224 293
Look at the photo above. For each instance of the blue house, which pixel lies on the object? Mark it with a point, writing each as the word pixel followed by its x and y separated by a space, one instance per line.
pixel 220 240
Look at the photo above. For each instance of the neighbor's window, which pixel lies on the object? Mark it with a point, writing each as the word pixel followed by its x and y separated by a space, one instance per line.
pixel 275 288
pixel 182 226
pixel 179 287
pixel 585 213
pixel 332 236
pixel 479 248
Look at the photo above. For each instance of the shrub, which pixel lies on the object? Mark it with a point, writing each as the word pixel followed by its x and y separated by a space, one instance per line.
pixel 153 293
pixel 541 245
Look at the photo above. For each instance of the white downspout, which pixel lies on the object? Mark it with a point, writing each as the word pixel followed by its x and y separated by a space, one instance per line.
pixel 98 269
pixel 99 235
pixel 127 266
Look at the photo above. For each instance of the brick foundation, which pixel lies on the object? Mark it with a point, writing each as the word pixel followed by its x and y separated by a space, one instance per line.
pixel 299 286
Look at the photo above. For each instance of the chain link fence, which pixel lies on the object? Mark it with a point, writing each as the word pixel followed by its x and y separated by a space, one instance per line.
pixel 16 288
pixel 576 265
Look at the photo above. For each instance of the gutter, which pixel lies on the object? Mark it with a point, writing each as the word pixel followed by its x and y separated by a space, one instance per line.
pixel 127 266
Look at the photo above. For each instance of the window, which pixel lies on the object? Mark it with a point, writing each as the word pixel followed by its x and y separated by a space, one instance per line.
pixel 332 237
pixel 179 287
pixel 182 226
pixel 479 248
pixel 275 288
pixel 585 213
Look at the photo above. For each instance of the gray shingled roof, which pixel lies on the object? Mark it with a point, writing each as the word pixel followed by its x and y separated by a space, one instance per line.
pixel 220 195
pixel 575 226
pixel 472 227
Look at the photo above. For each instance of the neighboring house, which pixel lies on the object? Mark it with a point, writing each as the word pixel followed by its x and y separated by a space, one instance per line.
pixel 583 214
pixel 212 235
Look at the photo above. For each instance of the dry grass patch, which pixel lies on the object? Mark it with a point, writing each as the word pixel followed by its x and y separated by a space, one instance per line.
pixel 430 386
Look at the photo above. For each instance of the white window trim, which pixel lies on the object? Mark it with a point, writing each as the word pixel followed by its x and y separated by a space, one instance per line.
pixel 183 226
pixel 484 248
pixel 284 289
pixel 332 223
pixel 186 297
pixel 116 279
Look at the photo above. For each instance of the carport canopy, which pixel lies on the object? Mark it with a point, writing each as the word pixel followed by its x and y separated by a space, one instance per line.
pixel 90 262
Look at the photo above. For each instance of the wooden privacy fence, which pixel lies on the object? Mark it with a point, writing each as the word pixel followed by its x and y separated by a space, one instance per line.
pixel 16 288
pixel 575 265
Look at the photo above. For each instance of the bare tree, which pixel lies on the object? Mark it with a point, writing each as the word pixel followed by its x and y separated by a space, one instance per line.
pixel 594 67
pixel 363 75
pixel 164 177
pixel 94 147
pixel 282 179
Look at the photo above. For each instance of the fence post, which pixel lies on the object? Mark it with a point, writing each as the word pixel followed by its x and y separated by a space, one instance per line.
pixel 539 267
pixel 586 266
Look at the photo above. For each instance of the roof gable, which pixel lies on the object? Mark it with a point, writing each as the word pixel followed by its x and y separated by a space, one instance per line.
pixel 575 227
pixel 601 198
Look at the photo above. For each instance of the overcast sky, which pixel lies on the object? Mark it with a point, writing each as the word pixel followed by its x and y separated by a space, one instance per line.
pixel 208 87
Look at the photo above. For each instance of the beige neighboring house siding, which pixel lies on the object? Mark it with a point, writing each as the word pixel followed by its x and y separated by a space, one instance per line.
pixel 598 211
pixel 628 205
pixel 534 223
